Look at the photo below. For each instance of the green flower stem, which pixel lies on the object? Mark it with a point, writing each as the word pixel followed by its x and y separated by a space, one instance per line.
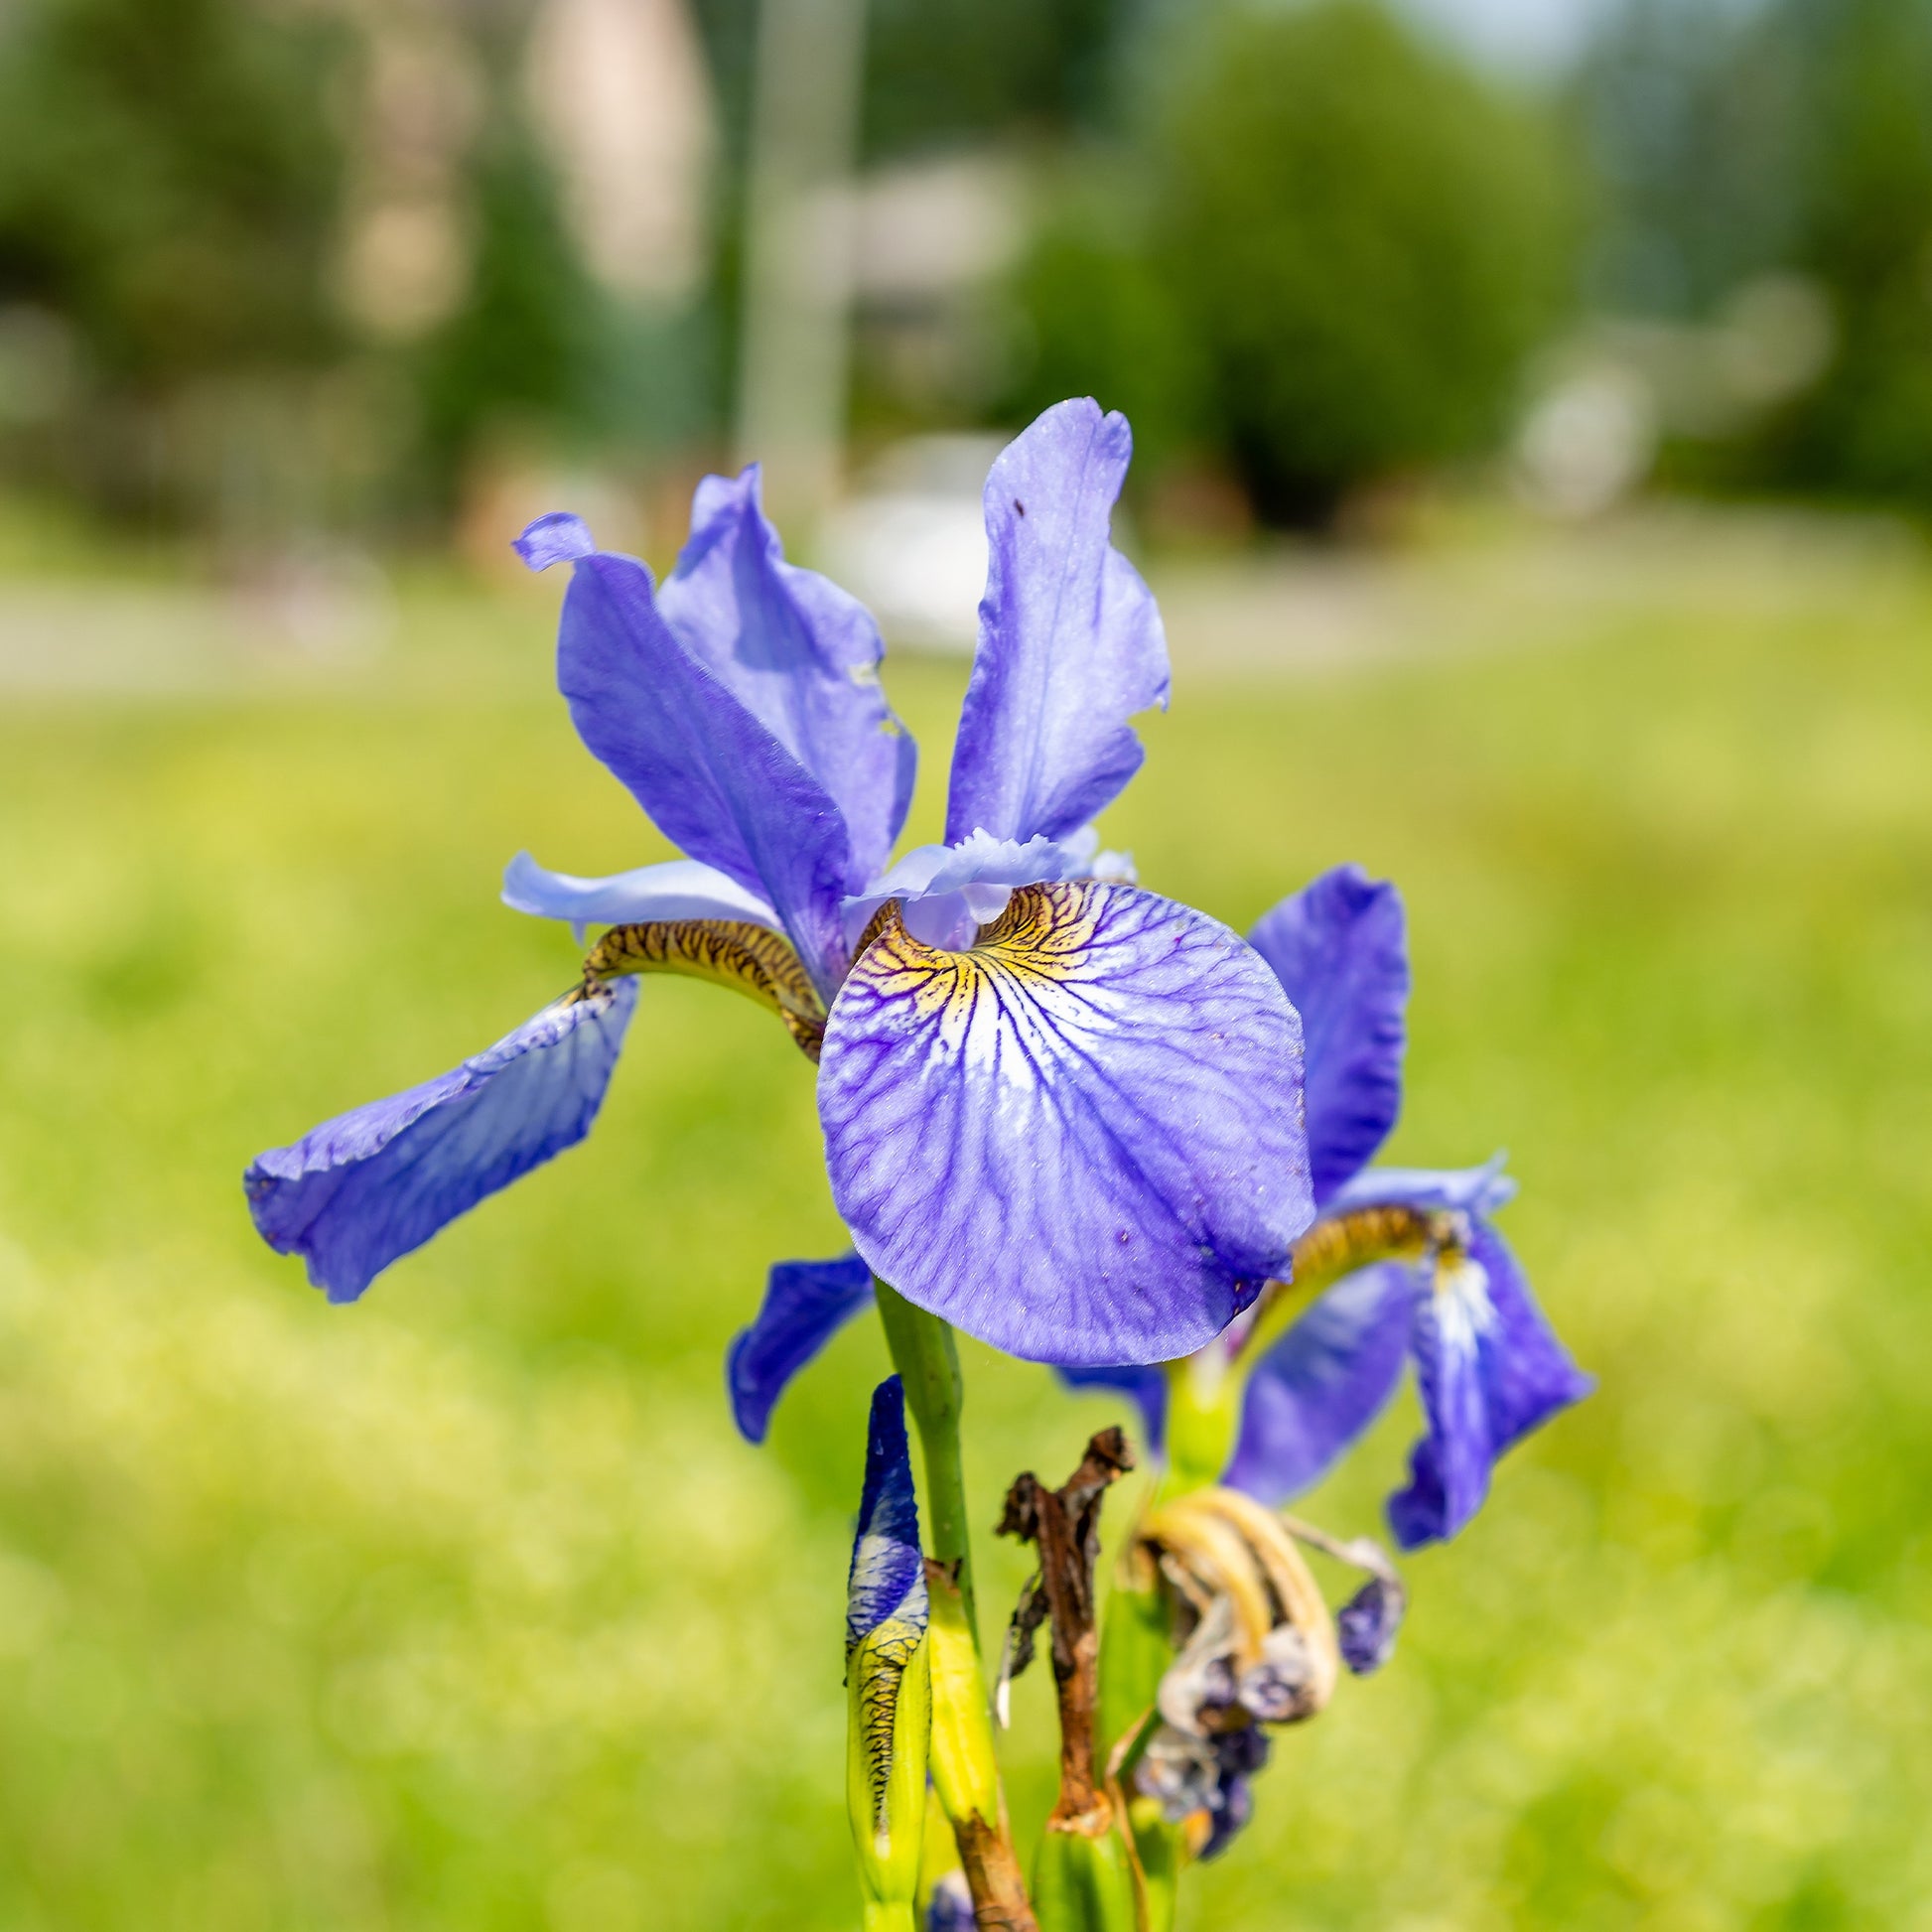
pixel 928 1365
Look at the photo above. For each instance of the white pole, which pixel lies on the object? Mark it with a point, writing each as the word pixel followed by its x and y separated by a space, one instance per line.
pixel 798 269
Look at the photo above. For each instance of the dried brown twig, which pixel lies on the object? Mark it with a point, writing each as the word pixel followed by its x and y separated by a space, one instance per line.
pixel 1064 1524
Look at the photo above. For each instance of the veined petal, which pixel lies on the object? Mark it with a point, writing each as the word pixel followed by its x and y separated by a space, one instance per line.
pixel 800 653
pixel 359 1190
pixel 1472 1190
pixel 712 776
pixel 1340 950
pixel 1489 1369
pixel 748 959
pixel 679 889
pixel 1081 1140
pixel 1323 1382
pixel 1146 1387
pixel 806 1303
pixel 1071 641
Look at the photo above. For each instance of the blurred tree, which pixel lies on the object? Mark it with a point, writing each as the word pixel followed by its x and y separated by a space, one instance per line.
pixel 940 73
pixel 169 181
pixel 1865 235
pixel 519 356
pixel 1689 123
pixel 1363 238
pixel 1793 139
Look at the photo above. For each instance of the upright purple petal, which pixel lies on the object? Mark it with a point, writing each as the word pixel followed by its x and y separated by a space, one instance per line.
pixel 1340 950
pixel 358 1191
pixel 1146 1387
pixel 1490 1369
pixel 806 1303
pixel 800 655
pixel 1323 1382
pixel 1071 641
pixel 1081 1139
pixel 713 778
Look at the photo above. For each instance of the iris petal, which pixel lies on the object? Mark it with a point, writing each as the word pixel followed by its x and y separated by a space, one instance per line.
pixel 713 778
pixel 887 1575
pixel 1472 1190
pixel 358 1191
pixel 1338 947
pixel 679 889
pixel 1323 1382
pixel 1081 1140
pixel 800 653
pixel 806 1303
pixel 1490 1369
pixel 1071 641
pixel 946 893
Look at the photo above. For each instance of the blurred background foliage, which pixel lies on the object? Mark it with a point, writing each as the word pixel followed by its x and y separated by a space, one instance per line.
pixel 280 266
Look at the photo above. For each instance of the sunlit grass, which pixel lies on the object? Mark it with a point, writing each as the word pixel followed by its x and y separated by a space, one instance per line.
pixel 466 1609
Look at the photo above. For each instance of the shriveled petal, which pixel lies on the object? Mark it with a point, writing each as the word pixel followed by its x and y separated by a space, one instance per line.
pixel 359 1190
pixel 1340 950
pixel 887 1575
pixel 1323 1382
pixel 1071 641
pixel 679 889
pixel 806 1303
pixel 713 778
pixel 800 653
pixel 1490 1369
pixel 1081 1140
pixel 1472 1190
pixel 946 893
pixel 1146 1387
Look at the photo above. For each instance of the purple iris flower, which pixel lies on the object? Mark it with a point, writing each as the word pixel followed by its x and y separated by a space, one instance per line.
pixel 1419 1271
pixel 1059 1111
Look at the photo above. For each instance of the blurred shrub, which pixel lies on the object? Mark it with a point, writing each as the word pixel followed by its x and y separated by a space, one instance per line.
pixel 1103 322
pixel 1792 141
pixel 1865 236
pixel 1364 240
pixel 1346 245
pixel 167 182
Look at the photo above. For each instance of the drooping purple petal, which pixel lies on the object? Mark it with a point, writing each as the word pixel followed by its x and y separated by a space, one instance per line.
pixel 679 889
pixel 888 1573
pixel 1323 1382
pixel 1079 1141
pixel 800 655
pixel 1147 1388
pixel 1340 950
pixel 1489 1369
pixel 1071 641
pixel 946 893
pixel 805 1304
pixel 713 778
pixel 359 1190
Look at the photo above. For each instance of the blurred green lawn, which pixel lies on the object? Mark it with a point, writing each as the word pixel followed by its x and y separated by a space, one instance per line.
pixel 466 1609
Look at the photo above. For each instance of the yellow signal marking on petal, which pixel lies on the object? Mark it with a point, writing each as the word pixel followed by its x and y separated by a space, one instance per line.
pixel 1037 951
pixel 879 1666
pixel 751 959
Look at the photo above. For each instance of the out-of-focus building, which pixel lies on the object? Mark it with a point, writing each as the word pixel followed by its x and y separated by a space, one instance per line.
pixel 620 92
